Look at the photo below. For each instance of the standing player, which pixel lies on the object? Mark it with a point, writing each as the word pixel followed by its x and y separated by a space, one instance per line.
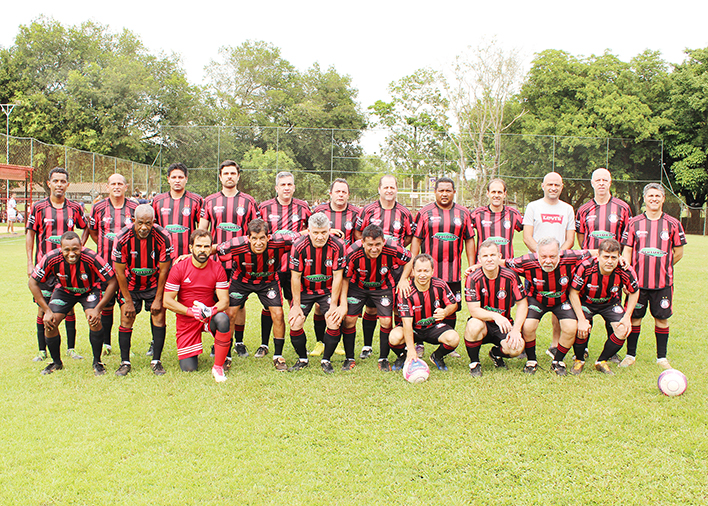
pixel 286 215
pixel 317 263
pixel 141 259
pixel 228 213
pixel 490 293
pixel 108 217
pixel 497 222
pixel 396 221
pixel 79 273
pixel 342 218
pixel 11 214
pixel 197 291
pixel 597 289
pixel 653 244
pixel 369 280
pixel 424 314
pixel 48 219
pixel 255 261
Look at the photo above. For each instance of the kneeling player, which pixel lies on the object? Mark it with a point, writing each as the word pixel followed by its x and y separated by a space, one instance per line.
pixel 423 313
pixel 597 289
pixel 491 292
pixel 79 273
pixel 197 291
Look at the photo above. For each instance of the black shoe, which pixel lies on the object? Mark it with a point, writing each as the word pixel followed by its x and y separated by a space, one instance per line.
pixel 615 359
pixel 498 361
pixel 384 366
pixel 399 363
pixel 326 366
pixel 149 352
pixel 348 365
pixel 54 366
pixel 99 369
pixel 440 362
pixel 158 369
pixel 227 363
pixel 476 370
pixel 551 352
pixel 124 369
pixel 366 352
pixel 559 368
pixel 531 367
pixel 241 350
pixel 300 364
pixel 212 353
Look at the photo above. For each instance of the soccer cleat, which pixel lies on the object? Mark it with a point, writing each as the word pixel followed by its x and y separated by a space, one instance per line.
pixel 327 367
pixel 420 350
pixel 438 361
pixel 318 350
pixel 99 369
pixel 531 367
pixel 577 367
pixel 157 368
pixel 663 363
pixel 627 361
pixel 454 354
pixel 227 363
pixel 348 365
pixel 71 352
pixel 149 352
pixel 218 373
pixel 41 356
pixel 603 368
pixel 212 353
pixel 241 350
pixel 559 368
pixel 54 366
pixel 124 369
pixel 522 356
pixel 586 354
pixel 498 361
pixel 384 366
pixel 614 359
pixel 366 352
pixel 261 352
pixel 399 363
pixel 339 350
pixel 551 352
pixel 476 370
pixel 300 364
pixel 280 365
pixel 106 350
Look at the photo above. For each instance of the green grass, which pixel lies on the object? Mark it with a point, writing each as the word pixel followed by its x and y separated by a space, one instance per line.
pixel 271 438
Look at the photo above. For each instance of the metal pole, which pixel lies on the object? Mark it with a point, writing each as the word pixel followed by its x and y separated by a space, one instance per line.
pixel 331 158
pixel 607 155
pixel 554 154
pixel 277 147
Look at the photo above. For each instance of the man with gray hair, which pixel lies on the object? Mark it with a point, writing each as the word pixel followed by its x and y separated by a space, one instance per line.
pixel 317 262
pixel 285 215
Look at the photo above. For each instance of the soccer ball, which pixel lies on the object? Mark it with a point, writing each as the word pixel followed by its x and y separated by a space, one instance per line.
pixel 672 382
pixel 416 371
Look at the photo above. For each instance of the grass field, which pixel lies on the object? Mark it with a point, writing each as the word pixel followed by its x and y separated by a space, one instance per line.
pixel 362 438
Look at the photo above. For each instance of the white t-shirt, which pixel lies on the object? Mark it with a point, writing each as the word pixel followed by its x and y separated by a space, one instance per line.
pixel 11 209
pixel 549 220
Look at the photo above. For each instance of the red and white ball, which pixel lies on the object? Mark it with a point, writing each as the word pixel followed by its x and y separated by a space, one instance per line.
pixel 416 371
pixel 672 382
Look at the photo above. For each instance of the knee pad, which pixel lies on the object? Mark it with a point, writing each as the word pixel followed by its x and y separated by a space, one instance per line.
pixel 219 323
pixel 189 364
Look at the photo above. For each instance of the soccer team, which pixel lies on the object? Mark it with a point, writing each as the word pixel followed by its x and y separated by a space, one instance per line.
pixel 203 258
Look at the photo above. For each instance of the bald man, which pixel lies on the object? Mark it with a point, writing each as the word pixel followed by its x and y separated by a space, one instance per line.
pixel 604 216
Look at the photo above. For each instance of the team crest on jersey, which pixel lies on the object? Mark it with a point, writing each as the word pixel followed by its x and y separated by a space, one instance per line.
pixel 565 306
pixel 186 211
pixel 507 224
pixel 152 254
pixel 563 281
pixel 664 235
pixel 296 217
pixel 612 218
pixel 457 221
pixel 436 303
pixel 271 261
pixel 329 300
pixel 240 211
pixel 396 225
pixel 458 297
pixel 69 223
pixel 84 276
pixel 618 309
pixel 271 294
pixel 484 291
pixel 128 221
pixel 328 262
pixel 385 301
pixel 383 270
pixel 664 303
pixel 501 294
pixel 348 225
pixel 91 297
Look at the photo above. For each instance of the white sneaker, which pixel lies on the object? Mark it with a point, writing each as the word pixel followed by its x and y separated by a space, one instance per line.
pixel 218 373
pixel 627 361
pixel 663 363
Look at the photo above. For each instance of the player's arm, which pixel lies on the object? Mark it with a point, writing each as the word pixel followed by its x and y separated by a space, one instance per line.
pixel 678 254
pixel 171 303
pixel 583 323
pixel 569 239
pixel 222 297
pixel 522 310
pixel 29 248
pixel 85 236
pixel 477 311
pixel 407 240
pixel 357 234
pixel 203 224
pixel 627 255
pixel 128 307
pixel 161 280
pixel 581 238
pixel 338 308
pixel 470 251
pixel 529 241
pixel 441 313
pixel 295 312
pixel 625 324
pixel 415 246
pixel 37 294
pixel 408 339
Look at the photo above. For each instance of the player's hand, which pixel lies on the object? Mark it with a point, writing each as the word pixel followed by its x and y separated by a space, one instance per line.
pixel 439 314
pixel 411 355
pixel 404 288
pixel 336 232
pixel 202 312
pixel 30 268
pixel 515 339
pixel 335 315
pixel 503 323
pixel 128 309
pixel 623 263
pixel 93 316
pixel 583 328
pixel 623 327
pixel 156 306
pixel 180 258
pixel 471 269
pixel 295 315
pixel 49 320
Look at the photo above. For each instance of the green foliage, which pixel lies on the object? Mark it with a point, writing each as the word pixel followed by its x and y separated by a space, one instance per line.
pixel 259 171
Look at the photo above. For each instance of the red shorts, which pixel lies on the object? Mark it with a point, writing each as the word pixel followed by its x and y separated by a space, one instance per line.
pixel 189 336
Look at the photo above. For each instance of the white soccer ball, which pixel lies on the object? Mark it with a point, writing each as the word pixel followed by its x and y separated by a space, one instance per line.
pixel 416 371
pixel 672 382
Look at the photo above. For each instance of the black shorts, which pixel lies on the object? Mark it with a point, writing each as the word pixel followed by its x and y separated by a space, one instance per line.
pixel 494 334
pixel 47 288
pixel 660 303
pixel 430 334
pixel 63 302
pixel 610 312
pixel 284 279
pixel 268 293
pixel 563 310
pixel 307 302
pixel 146 297
pixel 396 273
pixel 382 299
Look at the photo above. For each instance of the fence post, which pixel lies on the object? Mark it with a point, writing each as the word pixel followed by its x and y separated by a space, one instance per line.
pixel 331 158
pixel 277 147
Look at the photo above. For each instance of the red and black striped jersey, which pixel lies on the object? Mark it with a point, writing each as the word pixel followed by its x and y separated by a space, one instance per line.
pixel 442 234
pixel 597 288
pixel 229 216
pixel 497 227
pixel 179 217
pixel 81 277
pixel 499 294
pixel 375 273
pixel 341 220
pixel 49 223
pixel 653 243
pixel 317 265
pixel 602 221
pixel 250 267
pixel 286 220
pixel 397 223
pixel 192 283
pixel 549 288
pixel 421 305
pixel 142 257
pixel 108 221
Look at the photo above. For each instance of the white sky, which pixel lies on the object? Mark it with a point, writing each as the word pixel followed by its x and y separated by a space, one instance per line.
pixel 377 42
